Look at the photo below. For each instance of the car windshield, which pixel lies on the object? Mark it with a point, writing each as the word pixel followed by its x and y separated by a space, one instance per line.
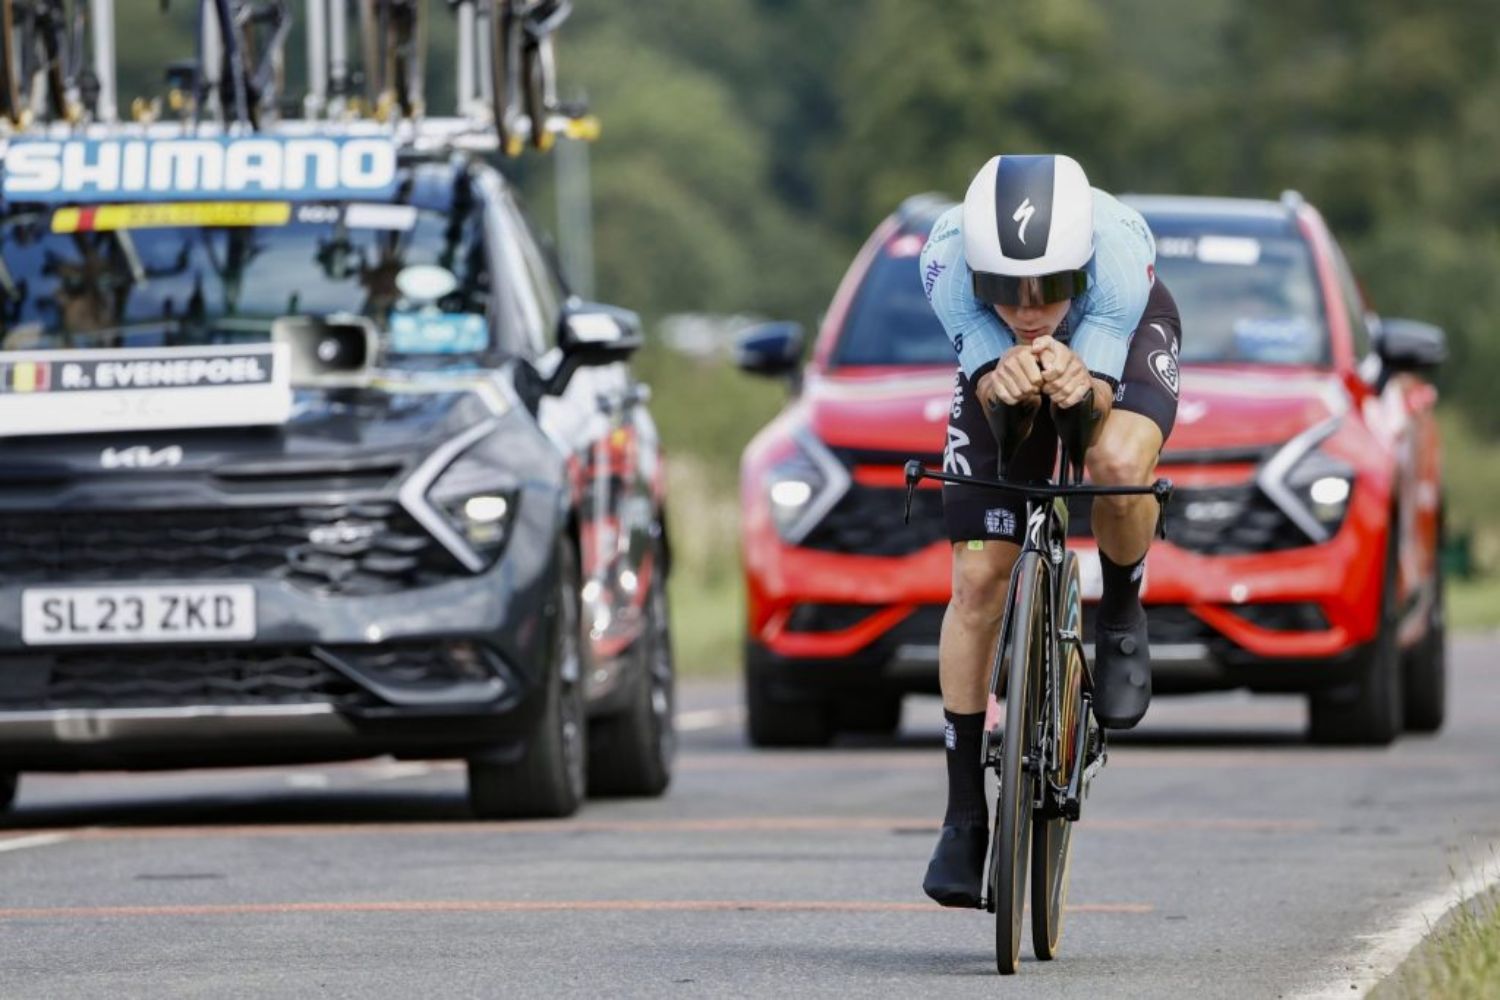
pixel 891 322
pixel 1242 298
pixel 112 276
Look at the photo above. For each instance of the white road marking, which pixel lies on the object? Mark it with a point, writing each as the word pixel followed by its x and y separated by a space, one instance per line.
pixel 36 840
pixel 709 718
pixel 1387 949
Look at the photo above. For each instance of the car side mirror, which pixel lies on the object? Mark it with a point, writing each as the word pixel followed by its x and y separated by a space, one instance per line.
pixel 771 349
pixel 593 334
pixel 1407 345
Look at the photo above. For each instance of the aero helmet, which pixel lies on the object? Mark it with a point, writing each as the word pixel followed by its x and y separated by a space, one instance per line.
pixel 1029 230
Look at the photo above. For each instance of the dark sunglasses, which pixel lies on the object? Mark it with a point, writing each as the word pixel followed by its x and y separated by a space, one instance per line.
pixel 1041 290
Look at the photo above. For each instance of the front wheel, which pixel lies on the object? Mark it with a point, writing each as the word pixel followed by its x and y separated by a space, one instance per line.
pixel 1368 712
pixel 548 780
pixel 1052 835
pixel 1021 659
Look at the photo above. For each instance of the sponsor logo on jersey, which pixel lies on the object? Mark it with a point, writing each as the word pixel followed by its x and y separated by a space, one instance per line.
pixel 254 167
pixel 1000 521
pixel 1164 366
pixel 954 462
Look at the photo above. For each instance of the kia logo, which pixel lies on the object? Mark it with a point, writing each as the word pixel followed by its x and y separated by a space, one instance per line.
pixel 343 533
pixel 141 457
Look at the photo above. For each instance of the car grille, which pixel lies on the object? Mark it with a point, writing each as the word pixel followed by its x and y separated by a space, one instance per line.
pixel 1215 521
pixel 868 520
pixel 114 678
pixel 349 549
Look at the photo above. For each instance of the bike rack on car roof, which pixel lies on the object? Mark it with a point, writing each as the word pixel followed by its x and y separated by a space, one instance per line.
pixel 505 75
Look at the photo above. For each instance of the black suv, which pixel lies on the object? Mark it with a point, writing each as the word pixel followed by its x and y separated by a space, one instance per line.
pixel 308 480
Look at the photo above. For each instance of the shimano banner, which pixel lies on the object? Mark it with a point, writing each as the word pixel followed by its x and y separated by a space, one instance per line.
pixel 312 168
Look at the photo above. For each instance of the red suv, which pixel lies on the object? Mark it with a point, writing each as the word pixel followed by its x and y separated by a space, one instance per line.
pixel 1302 541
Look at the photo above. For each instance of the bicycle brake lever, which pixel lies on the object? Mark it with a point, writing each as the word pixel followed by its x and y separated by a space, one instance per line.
pixel 914 473
pixel 1162 490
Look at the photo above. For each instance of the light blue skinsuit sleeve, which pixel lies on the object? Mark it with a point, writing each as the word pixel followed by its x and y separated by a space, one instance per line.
pixel 1120 278
pixel 978 336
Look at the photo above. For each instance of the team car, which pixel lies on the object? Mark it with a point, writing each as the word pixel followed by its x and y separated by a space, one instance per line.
pixel 308 453
pixel 1301 542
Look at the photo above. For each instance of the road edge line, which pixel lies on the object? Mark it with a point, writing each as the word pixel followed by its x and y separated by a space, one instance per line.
pixel 1388 949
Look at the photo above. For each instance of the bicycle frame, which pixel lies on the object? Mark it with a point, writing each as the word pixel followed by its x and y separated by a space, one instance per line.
pixel 1046 535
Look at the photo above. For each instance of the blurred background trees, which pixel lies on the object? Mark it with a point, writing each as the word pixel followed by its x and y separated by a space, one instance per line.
pixel 750 145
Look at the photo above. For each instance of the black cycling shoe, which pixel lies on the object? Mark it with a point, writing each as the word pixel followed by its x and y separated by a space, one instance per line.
pixel 1122 673
pixel 956 872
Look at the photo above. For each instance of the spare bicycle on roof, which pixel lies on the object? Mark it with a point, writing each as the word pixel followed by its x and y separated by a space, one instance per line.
pixel 366 63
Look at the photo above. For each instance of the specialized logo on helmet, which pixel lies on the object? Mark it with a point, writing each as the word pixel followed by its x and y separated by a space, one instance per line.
pixel 1023 216
pixel 1164 366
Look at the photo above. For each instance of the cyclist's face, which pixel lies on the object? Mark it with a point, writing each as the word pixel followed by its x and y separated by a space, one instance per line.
pixel 1030 322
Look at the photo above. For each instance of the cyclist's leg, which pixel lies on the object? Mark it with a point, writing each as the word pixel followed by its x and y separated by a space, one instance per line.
pixel 1125 454
pixel 985 528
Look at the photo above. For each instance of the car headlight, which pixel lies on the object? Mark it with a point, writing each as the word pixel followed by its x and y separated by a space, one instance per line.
pixel 804 486
pixel 1311 487
pixel 1324 484
pixel 477 507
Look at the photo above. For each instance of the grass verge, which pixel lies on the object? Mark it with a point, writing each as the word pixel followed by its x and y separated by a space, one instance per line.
pixel 1474 603
pixel 1459 960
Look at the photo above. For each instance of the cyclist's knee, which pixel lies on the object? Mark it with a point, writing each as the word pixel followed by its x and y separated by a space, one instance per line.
pixel 1120 461
pixel 980 580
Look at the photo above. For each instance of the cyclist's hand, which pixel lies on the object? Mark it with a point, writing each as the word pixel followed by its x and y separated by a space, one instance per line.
pixel 1065 378
pixel 1016 379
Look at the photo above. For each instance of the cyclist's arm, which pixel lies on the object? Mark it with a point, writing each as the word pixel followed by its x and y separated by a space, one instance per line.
pixel 1123 270
pixel 978 336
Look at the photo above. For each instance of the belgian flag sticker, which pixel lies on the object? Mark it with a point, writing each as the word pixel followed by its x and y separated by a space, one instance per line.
pixel 26 376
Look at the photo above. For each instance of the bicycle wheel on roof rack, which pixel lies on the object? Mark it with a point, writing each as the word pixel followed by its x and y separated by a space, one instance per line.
pixel 536 77
pixel 51 25
pixel 408 49
pixel 539 65
pixel 505 60
pixel 10 71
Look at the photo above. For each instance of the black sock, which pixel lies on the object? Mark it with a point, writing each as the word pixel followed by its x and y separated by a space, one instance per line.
pixel 1120 604
pixel 962 736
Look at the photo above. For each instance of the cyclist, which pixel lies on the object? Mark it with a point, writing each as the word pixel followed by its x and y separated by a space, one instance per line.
pixel 1047 288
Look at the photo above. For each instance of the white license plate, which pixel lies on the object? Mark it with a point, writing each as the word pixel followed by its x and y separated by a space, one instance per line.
pixel 53 616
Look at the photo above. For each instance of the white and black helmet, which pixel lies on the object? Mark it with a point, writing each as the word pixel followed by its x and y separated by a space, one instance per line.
pixel 1029 230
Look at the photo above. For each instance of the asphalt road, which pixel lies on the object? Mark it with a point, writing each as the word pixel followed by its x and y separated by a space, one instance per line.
pixel 1218 857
